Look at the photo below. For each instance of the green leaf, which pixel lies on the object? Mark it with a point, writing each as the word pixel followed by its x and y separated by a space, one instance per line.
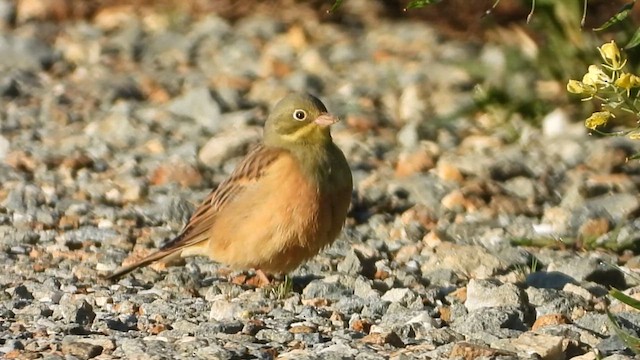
pixel 635 156
pixel 619 16
pixel 335 6
pixel 416 4
pixel 635 40
pixel 625 298
pixel 631 341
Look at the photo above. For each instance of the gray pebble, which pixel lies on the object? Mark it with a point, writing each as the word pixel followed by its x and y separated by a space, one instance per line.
pixel 272 335
pixel 326 290
pixel 490 324
pixel 199 105
pixel 485 293
pixel 75 311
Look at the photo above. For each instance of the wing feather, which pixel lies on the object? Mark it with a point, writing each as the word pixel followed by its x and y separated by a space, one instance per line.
pixel 249 171
pixel 197 230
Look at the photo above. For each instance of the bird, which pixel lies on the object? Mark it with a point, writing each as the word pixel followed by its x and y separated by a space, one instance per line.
pixel 285 201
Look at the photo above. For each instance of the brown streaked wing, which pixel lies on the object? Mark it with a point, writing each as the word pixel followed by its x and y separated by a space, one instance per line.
pixel 247 172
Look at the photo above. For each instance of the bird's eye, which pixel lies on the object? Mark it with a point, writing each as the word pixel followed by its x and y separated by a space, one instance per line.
pixel 299 115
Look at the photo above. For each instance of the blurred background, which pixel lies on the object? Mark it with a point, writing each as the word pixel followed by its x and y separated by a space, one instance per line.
pixel 471 162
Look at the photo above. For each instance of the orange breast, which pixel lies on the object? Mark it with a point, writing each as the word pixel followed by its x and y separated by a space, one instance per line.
pixel 277 222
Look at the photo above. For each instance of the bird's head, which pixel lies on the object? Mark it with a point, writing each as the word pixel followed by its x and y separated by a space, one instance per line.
pixel 298 120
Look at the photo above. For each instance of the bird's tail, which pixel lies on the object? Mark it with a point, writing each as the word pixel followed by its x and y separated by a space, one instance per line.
pixel 156 256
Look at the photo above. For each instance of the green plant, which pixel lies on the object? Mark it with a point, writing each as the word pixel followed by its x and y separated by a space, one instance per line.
pixel 630 340
pixel 617 90
pixel 281 290
pixel 522 271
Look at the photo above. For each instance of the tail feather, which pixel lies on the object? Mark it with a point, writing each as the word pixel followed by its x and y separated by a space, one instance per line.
pixel 156 256
pixel 187 243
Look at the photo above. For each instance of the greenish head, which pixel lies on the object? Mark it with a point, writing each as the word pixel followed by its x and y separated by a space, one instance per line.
pixel 298 120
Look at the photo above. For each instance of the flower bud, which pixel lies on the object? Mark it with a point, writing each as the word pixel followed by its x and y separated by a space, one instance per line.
pixel 596 119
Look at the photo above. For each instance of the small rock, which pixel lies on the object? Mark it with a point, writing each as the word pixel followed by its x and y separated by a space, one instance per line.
pixel 441 277
pixel 448 172
pixel 213 351
pixel 589 269
pixel 547 347
pixel 399 295
pixel 521 187
pixel 4 148
pixel 442 336
pixel 79 312
pixel 360 325
pixel 555 221
pixel 351 264
pixel 578 290
pixel 551 301
pixel 81 350
pixel 456 201
pixel 199 105
pixel 408 136
pixel 109 18
pixel 268 335
pixel 414 161
pixel 477 144
pixel 593 228
pixel 466 350
pixel 7 13
pixel 588 356
pixel 555 124
pixel 616 207
pixel 25 53
pixel 21 292
pixel 411 105
pixel 225 146
pixel 489 324
pixel 362 288
pixel 382 339
pixel 123 324
pixel 116 129
pixel 485 293
pixel 176 171
pixel 596 323
pixel 225 310
pixel 504 170
pixel 422 325
pixel 614 347
pixel 467 261
pixel 326 290
pixel 549 320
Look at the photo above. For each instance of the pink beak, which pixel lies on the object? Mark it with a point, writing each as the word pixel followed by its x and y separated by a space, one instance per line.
pixel 325 119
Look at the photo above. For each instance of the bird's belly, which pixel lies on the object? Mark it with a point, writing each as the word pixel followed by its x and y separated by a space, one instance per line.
pixel 274 231
pixel 275 241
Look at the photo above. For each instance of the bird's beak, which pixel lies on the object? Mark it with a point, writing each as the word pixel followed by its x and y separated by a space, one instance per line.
pixel 325 119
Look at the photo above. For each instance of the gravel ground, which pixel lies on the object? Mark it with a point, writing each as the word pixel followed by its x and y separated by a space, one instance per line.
pixel 461 238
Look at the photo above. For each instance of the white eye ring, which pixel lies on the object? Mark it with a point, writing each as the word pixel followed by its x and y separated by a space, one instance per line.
pixel 299 115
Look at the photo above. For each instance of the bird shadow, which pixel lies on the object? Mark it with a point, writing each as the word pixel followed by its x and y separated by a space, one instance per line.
pixel 249 281
pixel 301 281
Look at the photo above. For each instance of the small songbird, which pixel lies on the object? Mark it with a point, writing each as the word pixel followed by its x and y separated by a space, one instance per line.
pixel 284 202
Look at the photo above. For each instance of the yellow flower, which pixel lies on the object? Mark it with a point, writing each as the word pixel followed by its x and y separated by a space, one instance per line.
pixel 627 81
pixel 575 87
pixel 596 119
pixel 634 135
pixel 611 55
pixel 580 88
pixel 596 77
